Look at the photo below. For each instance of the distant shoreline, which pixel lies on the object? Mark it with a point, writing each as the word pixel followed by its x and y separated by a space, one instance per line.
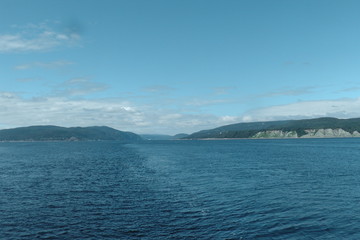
pixel 212 139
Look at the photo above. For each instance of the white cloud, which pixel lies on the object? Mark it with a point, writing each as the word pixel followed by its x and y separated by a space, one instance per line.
pixel 17 111
pixel 123 115
pixel 341 108
pixel 35 38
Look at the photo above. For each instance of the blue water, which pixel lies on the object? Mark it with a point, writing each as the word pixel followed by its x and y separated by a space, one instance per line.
pixel 233 189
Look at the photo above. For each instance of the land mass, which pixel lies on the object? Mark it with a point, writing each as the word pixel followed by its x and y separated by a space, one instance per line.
pixel 163 137
pixel 307 128
pixel 55 133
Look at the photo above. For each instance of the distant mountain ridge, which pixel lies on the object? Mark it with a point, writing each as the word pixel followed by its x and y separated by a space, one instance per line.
pixel 163 137
pixel 56 133
pixel 318 127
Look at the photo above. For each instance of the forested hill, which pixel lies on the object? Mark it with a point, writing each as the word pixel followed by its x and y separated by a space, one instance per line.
pixel 55 133
pixel 318 127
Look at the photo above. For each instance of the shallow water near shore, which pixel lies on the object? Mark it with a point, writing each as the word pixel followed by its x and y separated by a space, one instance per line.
pixel 235 189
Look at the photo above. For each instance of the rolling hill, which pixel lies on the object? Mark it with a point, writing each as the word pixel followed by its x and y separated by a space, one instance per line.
pixel 55 133
pixel 318 127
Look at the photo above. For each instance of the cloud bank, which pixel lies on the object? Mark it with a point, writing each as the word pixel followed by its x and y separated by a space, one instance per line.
pixel 123 115
pixel 341 108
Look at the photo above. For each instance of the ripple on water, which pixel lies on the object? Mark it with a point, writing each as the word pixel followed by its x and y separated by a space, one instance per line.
pixel 280 189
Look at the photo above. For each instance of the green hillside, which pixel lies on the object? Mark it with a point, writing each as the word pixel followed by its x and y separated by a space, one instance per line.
pixel 55 133
pixel 247 130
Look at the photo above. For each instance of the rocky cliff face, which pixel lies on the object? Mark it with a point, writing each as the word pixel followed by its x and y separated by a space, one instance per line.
pixel 310 133
pixel 276 134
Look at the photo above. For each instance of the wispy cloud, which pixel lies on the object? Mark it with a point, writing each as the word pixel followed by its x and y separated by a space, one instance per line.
pixel 36 38
pixel 198 102
pixel 24 80
pixel 48 65
pixel 352 89
pixel 79 87
pixel 158 89
pixel 288 92
pixel 223 90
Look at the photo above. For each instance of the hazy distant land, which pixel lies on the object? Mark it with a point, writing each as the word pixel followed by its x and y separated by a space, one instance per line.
pixel 163 137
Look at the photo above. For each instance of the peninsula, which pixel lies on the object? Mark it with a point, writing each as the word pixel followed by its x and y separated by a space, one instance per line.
pixel 307 128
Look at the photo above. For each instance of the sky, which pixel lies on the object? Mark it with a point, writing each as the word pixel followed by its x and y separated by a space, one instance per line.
pixel 177 66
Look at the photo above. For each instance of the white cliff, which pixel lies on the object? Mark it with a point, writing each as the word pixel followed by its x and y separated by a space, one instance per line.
pixel 310 133
pixel 276 134
pixel 326 133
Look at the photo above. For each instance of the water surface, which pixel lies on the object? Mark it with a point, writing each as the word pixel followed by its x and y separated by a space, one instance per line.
pixel 233 189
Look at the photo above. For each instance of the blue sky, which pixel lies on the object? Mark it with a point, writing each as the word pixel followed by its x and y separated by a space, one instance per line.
pixel 177 66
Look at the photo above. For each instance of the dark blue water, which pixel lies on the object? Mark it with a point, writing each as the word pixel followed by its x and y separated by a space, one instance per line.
pixel 236 189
